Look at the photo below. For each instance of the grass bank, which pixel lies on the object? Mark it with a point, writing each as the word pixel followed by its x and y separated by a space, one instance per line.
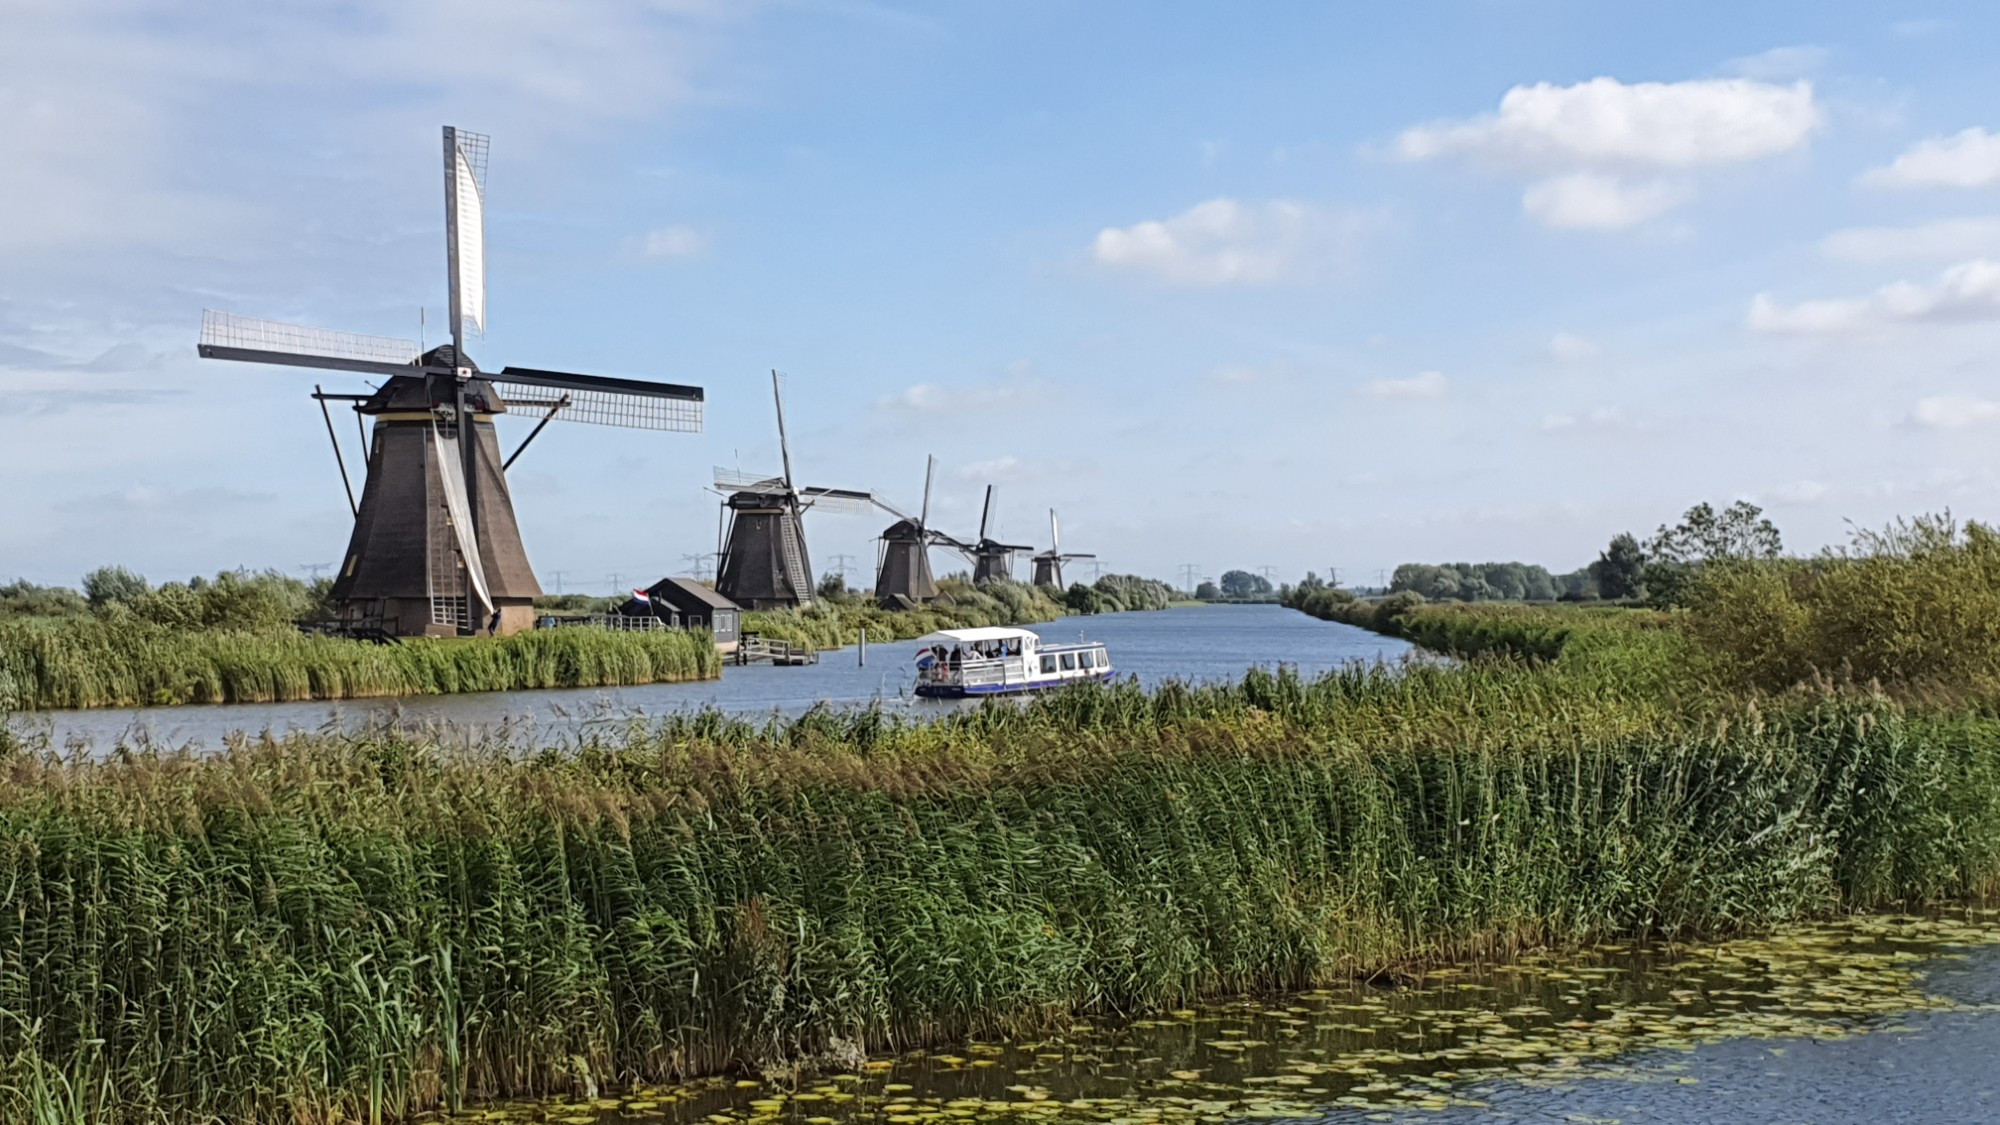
pixel 333 929
pixel 123 662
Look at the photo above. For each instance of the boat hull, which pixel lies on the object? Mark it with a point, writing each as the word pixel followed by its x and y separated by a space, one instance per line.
pixel 1023 687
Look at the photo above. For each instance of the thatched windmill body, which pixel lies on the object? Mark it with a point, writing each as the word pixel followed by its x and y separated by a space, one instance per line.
pixel 992 560
pixel 1049 563
pixel 436 549
pixel 764 563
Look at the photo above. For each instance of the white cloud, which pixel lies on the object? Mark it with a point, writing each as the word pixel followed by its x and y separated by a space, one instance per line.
pixel 1571 348
pixel 1598 141
pixel 1599 418
pixel 1780 64
pixel 1000 468
pixel 1645 124
pixel 1016 388
pixel 1594 201
pixel 676 241
pixel 1801 492
pixel 1250 374
pixel 1227 242
pixel 1951 412
pixel 105 102
pixel 1966 159
pixel 1426 384
pixel 1948 239
pixel 1967 292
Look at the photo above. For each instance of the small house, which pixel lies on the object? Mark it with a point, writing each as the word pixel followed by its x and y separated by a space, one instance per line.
pixel 687 604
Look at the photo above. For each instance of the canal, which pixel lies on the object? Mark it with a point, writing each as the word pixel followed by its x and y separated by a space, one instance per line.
pixel 1196 644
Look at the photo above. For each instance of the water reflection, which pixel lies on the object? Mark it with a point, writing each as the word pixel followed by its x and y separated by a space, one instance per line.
pixel 1537 1040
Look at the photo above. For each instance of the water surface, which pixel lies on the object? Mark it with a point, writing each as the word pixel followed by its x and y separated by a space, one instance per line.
pixel 1197 644
pixel 1874 1019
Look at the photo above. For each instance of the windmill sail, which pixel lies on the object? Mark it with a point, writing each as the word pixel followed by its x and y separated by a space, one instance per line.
pixel 465 211
pixel 459 507
pixel 255 340
pixel 633 403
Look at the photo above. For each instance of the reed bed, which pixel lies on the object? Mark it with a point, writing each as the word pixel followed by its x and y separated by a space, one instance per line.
pixel 363 928
pixel 89 662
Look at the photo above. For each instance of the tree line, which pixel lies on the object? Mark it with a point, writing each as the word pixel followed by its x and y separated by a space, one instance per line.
pixel 1656 570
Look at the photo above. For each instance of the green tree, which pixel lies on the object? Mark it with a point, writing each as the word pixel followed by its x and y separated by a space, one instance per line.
pixel 25 599
pixel 1620 569
pixel 1243 584
pixel 108 585
pixel 1738 532
pixel 1704 537
pixel 1208 591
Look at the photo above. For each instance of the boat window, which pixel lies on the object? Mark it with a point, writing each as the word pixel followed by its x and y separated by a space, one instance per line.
pixel 1103 659
pixel 1048 663
pixel 1069 661
pixel 1084 661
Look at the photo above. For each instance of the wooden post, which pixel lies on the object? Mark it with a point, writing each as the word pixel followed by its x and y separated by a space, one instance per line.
pixel 862 648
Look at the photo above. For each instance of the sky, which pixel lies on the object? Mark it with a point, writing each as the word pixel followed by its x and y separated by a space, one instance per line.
pixel 1297 285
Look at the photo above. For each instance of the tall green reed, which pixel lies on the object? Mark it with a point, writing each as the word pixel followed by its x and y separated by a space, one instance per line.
pixel 92 662
pixel 362 928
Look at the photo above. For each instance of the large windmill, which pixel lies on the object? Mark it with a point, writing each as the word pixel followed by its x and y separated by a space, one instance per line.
pixel 903 578
pixel 435 548
pixel 1049 563
pixel 992 560
pixel 764 563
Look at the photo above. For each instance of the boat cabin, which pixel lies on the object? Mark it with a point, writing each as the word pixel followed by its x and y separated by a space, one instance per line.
pixel 1000 659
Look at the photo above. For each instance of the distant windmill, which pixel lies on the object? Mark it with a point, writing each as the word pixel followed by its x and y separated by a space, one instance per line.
pixel 903 578
pixel 764 563
pixel 1048 564
pixel 992 560
pixel 435 548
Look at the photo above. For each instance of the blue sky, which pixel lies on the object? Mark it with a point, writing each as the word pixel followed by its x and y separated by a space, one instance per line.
pixel 1294 285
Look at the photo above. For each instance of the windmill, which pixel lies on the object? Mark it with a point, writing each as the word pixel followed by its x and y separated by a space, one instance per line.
pixel 764 564
pixel 1048 564
pixel 903 577
pixel 992 560
pixel 435 548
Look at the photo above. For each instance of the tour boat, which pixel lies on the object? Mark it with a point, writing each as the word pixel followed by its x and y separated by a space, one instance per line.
pixel 954 663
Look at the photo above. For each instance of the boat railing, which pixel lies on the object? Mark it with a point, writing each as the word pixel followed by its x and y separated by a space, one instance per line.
pixel 977 673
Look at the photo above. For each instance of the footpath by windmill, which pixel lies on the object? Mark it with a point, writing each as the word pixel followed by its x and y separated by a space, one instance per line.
pixel 436 549
pixel 1049 563
pixel 763 561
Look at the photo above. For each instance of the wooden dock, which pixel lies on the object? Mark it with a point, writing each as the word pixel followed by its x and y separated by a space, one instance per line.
pixel 762 650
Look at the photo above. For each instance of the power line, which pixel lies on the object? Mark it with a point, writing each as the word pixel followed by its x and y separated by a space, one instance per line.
pixel 314 569
pixel 1189 571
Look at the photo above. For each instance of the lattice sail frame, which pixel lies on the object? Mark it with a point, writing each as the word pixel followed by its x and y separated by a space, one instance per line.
pixel 609 408
pixel 742 481
pixel 231 330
